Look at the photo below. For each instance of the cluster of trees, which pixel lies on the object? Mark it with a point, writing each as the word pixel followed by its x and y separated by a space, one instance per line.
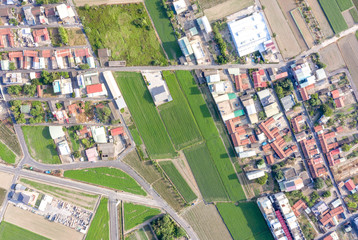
pixel 40 2
pixel 352 201
pixel 141 23
pixel 168 10
pixel 103 114
pixel 84 66
pixel 87 143
pixel 48 78
pixel 36 111
pixel 63 35
pixel 262 180
pixel 165 228
pixel 223 58
pixel 283 88
pixel 316 59
pixel 13 21
pixel 29 90
pixel 314 100
pixel 318 183
pixel 277 172
pixel 326 110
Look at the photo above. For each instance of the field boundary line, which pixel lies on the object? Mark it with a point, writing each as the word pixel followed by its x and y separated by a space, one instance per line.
pixel 94 213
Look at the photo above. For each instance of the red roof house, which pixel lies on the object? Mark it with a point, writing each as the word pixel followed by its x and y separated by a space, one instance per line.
pixel 350 185
pixel 40 35
pixel 117 131
pixel 94 88
pixel 335 94
pixel 256 76
pixel 339 102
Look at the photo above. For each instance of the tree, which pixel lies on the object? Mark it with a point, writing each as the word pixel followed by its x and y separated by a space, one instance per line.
pixel 318 183
pixel 15 103
pixel 29 90
pixel 87 7
pixel 260 162
pixel 77 154
pixel 63 35
pixel 262 180
pixel 326 194
pixel 103 114
pixel 84 66
pixel 58 105
pixel 165 228
pixel 12 66
pixel 346 147
pixel 14 90
pixel 352 205
pixel 279 91
pixel 327 111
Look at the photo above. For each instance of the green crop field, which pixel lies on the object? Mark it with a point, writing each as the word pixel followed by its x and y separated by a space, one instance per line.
pixel 205 173
pixel 6 154
pixel 40 144
pixel 10 139
pixel 137 214
pixel 208 129
pixel 108 177
pixel 126 30
pixel 354 14
pixel 344 4
pixel 355 2
pixel 177 116
pixel 10 231
pixel 145 115
pixel 245 221
pixel 334 15
pixel 178 181
pixel 164 28
pixel 99 228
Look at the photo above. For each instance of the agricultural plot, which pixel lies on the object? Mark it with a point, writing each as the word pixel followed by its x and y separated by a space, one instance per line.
pixel 40 144
pixel 178 181
pixel 332 57
pixel 10 231
pixel 122 28
pixel 334 15
pixel 218 9
pixel 177 116
pixel 137 214
pixel 321 18
pixel 244 221
pixel 349 49
pixel 9 139
pixel 344 4
pixel 6 154
pixel 145 115
pixel 99 228
pixel 354 13
pixel 107 177
pixel 302 27
pixel 164 28
pixel 348 18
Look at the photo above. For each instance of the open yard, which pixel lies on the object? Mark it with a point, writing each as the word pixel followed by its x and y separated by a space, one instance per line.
pixel 126 30
pixel 76 37
pixel 334 15
pixel 218 9
pixel 285 38
pixel 39 225
pixel 6 154
pixel 177 116
pixel 136 214
pixel 81 199
pixel 244 221
pixel 145 115
pixel 99 228
pixel 108 177
pixel 40 144
pixel 332 57
pixel 178 181
pixel 10 231
pixel 349 49
pixel 10 139
pixel 206 222
pixel 164 28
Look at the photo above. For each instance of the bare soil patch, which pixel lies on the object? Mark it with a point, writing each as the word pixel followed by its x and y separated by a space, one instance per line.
pixel 226 8
pixel 76 37
pixel 332 57
pixel 38 224
pixel 349 49
pixel 349 19
pixel 285 38
pixel 307 37
pixel 321 18
pixel 5 180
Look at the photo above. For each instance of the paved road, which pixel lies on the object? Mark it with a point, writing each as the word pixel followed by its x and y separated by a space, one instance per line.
pixel 41 48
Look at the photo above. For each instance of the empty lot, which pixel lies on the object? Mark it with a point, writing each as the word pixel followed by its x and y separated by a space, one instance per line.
pixel 223 9
pixel 321 18
pixel 332 57
pixel 349 49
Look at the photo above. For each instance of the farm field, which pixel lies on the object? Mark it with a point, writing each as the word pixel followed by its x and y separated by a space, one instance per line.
pixel 10 231
pixel 244 221
pixel 206 222
pixel 215 10
pixel 344 4
pixel 348 18
pixel 107 177
pixel 136 214
pixel 334 15
pixel 177 116
pixel 354 14
pixel 80 199
pixel 145 115
pixel 349 49
pixel 2 195
pixel 6 154
pixel 287 6
pixel 164 28
pixel 122 28
pixel 321 18
pixel 40 144
pixel 304 30
pixel 205 173
pixel 10 139
pixel 178 181
pixel 332 57
pixel 39 225
pixel 355 2
pixel 99 228
pixel 285 38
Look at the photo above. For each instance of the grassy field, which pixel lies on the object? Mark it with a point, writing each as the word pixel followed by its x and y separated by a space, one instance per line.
pixel 354 14
pixel 81 199
pixel 145 115
pixel 334 15
pixel 108 177
pixel 76 37
pixel 6 154
pixel 215 146
pixel 2 195
pixel 126 30
pixel 344 4
pixel 178 181
pixel 10 139
pixel 164 28
pixel 177 116
pixel 99 228
pixel 10 231
pixel 244 221
pixel 40 144
pixel 205 173
pixel 137 214
pixel 75 143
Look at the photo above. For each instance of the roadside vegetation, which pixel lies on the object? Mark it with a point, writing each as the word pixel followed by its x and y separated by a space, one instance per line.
pixel 107 177
pixel 136 214
pixel 10 231
pixel 99 228
pixel 126 30
pixel 6 154
pixel 165 228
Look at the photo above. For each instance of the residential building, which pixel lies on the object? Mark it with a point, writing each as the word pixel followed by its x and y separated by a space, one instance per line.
pixel 179 6
pixel 292 184
pixel 107 151
pixel 63 86
pixel 99 134
pixel 351 187
pixel 255 174
pixel 96 90
pixel 65 13
pixel 259 79
pixel 204 24
pixel 63 148
pixel 288 102
pixel 92 154
pixel 56 132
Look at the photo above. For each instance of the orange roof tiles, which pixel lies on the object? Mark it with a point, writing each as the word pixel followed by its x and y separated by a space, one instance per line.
pixel 335 94
pixel 252 138
pixel 277 150
pixel 270 160
pixel 350 185
pixel 339 129
pixel 29 53
pixel 94 88
pixel 339 102
pixel 318 128
pixel 238 83
pixel 323 142
pixel 46 53
pixel 326 219
pixel 304 94
pixel 311 142
pixel 117 131
pixel 38 33
pixel 245 141
pixel 266 131
pixel 337 211
pixel 269 121
pixel 266 147
pixel 230 126
pixel 82 52
pixel 235 139
pixel 329 135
